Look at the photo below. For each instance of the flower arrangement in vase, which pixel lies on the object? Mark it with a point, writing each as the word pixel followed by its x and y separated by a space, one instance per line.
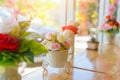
pixel 111 26
pixel 58 47
pixel 17 45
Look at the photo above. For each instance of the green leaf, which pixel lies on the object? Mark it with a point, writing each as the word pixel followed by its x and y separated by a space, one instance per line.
pixel 27 50
pixel 29 35
pixel 24 35
pixel 27 56
pixel 24 25
pixel 37 48
pixel 8 58
pixel 25 45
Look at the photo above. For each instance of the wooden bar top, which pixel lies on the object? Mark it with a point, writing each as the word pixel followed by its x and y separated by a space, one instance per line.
pixel 103 64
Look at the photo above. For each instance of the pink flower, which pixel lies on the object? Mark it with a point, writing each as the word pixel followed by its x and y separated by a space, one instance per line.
pixel 10 2
pixel 55 46
pixel 111 12
pixel 44 42
pixel 66 44
pixel 116 1
pixel 48 36
pixel 105 27
pixel 112 6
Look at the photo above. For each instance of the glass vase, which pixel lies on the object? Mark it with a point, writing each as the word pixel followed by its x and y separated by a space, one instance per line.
pixel 9 73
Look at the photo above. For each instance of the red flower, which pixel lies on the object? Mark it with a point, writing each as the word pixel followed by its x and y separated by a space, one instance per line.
pixel 110 23
pixel 116 23
pixel 108 17
pixel 70 27
pixel 8 42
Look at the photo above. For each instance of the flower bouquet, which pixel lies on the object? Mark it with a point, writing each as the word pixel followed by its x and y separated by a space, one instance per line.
pixel 58 49
pixel 55 42
pixel 17 45
pixel 110 26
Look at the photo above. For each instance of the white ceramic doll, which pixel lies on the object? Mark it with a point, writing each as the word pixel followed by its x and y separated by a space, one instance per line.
pixel 70 31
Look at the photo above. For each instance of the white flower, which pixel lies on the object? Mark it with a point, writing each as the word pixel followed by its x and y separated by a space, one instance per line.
pixel 7 25
pixel 48 36
pixel 60 38
pixel 55 42
pixel 48 45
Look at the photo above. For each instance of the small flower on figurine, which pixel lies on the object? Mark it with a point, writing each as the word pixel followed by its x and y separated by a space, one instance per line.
pixel 70 31
pixel 71 28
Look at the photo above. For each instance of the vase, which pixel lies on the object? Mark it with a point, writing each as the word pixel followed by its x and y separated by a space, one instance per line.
pixel 92 45
pixel 9 73
pixel 117 40
pixel 57 59
pixel 108 38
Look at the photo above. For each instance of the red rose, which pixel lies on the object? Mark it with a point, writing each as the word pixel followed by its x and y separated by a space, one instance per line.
pixel 8 42
pixel 116 23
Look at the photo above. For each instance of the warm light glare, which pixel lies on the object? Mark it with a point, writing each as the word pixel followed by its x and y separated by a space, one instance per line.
pixel 91 1
pixel 57 1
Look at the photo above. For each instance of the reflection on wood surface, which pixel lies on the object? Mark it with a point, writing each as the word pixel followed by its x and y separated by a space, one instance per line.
pixel 104 63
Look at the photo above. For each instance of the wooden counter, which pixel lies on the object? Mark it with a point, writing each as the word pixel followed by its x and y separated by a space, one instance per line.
pixel 103 64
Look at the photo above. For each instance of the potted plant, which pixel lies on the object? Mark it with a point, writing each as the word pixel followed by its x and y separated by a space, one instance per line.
pixel 58 47
pixel 93 43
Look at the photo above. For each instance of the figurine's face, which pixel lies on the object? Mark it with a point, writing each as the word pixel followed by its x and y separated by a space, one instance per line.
pixel 69 35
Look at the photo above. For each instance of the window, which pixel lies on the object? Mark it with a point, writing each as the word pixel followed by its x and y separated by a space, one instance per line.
pixel 87 14
pixel 47 15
